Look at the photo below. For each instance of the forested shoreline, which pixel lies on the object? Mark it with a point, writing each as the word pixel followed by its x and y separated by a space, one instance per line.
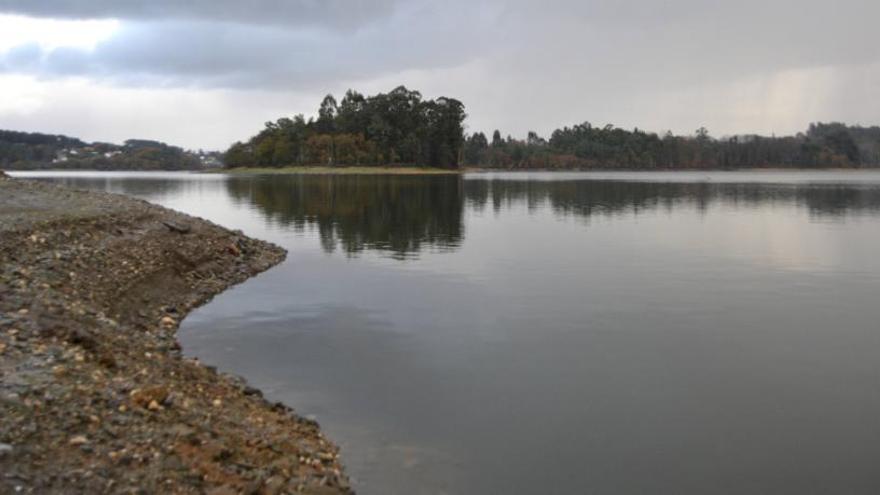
pixel 394 128
pixel 583 146
pixel 401 128
pixel 36 151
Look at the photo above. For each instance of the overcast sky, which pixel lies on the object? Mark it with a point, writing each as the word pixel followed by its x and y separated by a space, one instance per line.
pixel 205 73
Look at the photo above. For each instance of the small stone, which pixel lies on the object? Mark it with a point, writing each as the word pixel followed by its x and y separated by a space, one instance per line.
pixel 176 227
pixel 252 391
pixel 154 406
pixel 78 440
pixel 181 430
pixel 5 449
pixel 167 321
pixel 217 403
pixel 145 397
pixel 274 485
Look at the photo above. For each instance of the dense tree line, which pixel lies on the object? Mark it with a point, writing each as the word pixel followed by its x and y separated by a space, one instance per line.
pixel 34 151
pixel 394 128
pixel 140 154
pixel 400 127
pixel 584 146
pixel 26 147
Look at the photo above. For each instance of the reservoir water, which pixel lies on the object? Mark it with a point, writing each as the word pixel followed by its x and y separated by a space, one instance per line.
pixel 620 333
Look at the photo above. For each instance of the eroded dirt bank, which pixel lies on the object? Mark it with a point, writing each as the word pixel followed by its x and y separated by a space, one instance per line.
pixel 94 394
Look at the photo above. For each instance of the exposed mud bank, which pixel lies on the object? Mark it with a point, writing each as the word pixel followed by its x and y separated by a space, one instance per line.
pixel 95 396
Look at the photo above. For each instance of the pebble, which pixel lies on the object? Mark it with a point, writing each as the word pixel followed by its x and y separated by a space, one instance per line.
pixel 222 490
pixel 274 485
pixel 143 397
pixel 78 440
pixel 5 449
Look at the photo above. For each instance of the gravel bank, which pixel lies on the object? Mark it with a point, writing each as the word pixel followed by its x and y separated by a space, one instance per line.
pixel 94 394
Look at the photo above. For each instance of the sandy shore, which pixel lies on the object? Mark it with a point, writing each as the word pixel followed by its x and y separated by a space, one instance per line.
pixel 95 396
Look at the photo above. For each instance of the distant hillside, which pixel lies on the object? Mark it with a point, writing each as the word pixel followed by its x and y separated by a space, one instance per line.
pixel 34 151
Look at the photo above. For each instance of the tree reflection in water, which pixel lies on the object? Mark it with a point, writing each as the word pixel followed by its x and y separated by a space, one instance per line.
pixel 401 215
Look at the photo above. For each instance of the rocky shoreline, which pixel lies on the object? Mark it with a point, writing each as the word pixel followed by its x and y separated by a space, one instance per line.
pixel 95 396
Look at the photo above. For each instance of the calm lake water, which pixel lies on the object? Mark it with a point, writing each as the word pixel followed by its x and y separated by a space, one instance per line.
pixel 559 333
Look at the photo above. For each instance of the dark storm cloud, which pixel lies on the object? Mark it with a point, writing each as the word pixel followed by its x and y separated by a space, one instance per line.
pixel 750 65
pixel 273 43
pixel 215 53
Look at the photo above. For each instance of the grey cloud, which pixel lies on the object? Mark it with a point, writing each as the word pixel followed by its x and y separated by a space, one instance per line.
pixel 214 54
pixel 637 42
pixel 235 55
pixel 603 44
pixel 518 64
pixel 320 13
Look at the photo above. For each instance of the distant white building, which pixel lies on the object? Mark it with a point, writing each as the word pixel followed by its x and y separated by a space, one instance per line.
pixel 210 161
